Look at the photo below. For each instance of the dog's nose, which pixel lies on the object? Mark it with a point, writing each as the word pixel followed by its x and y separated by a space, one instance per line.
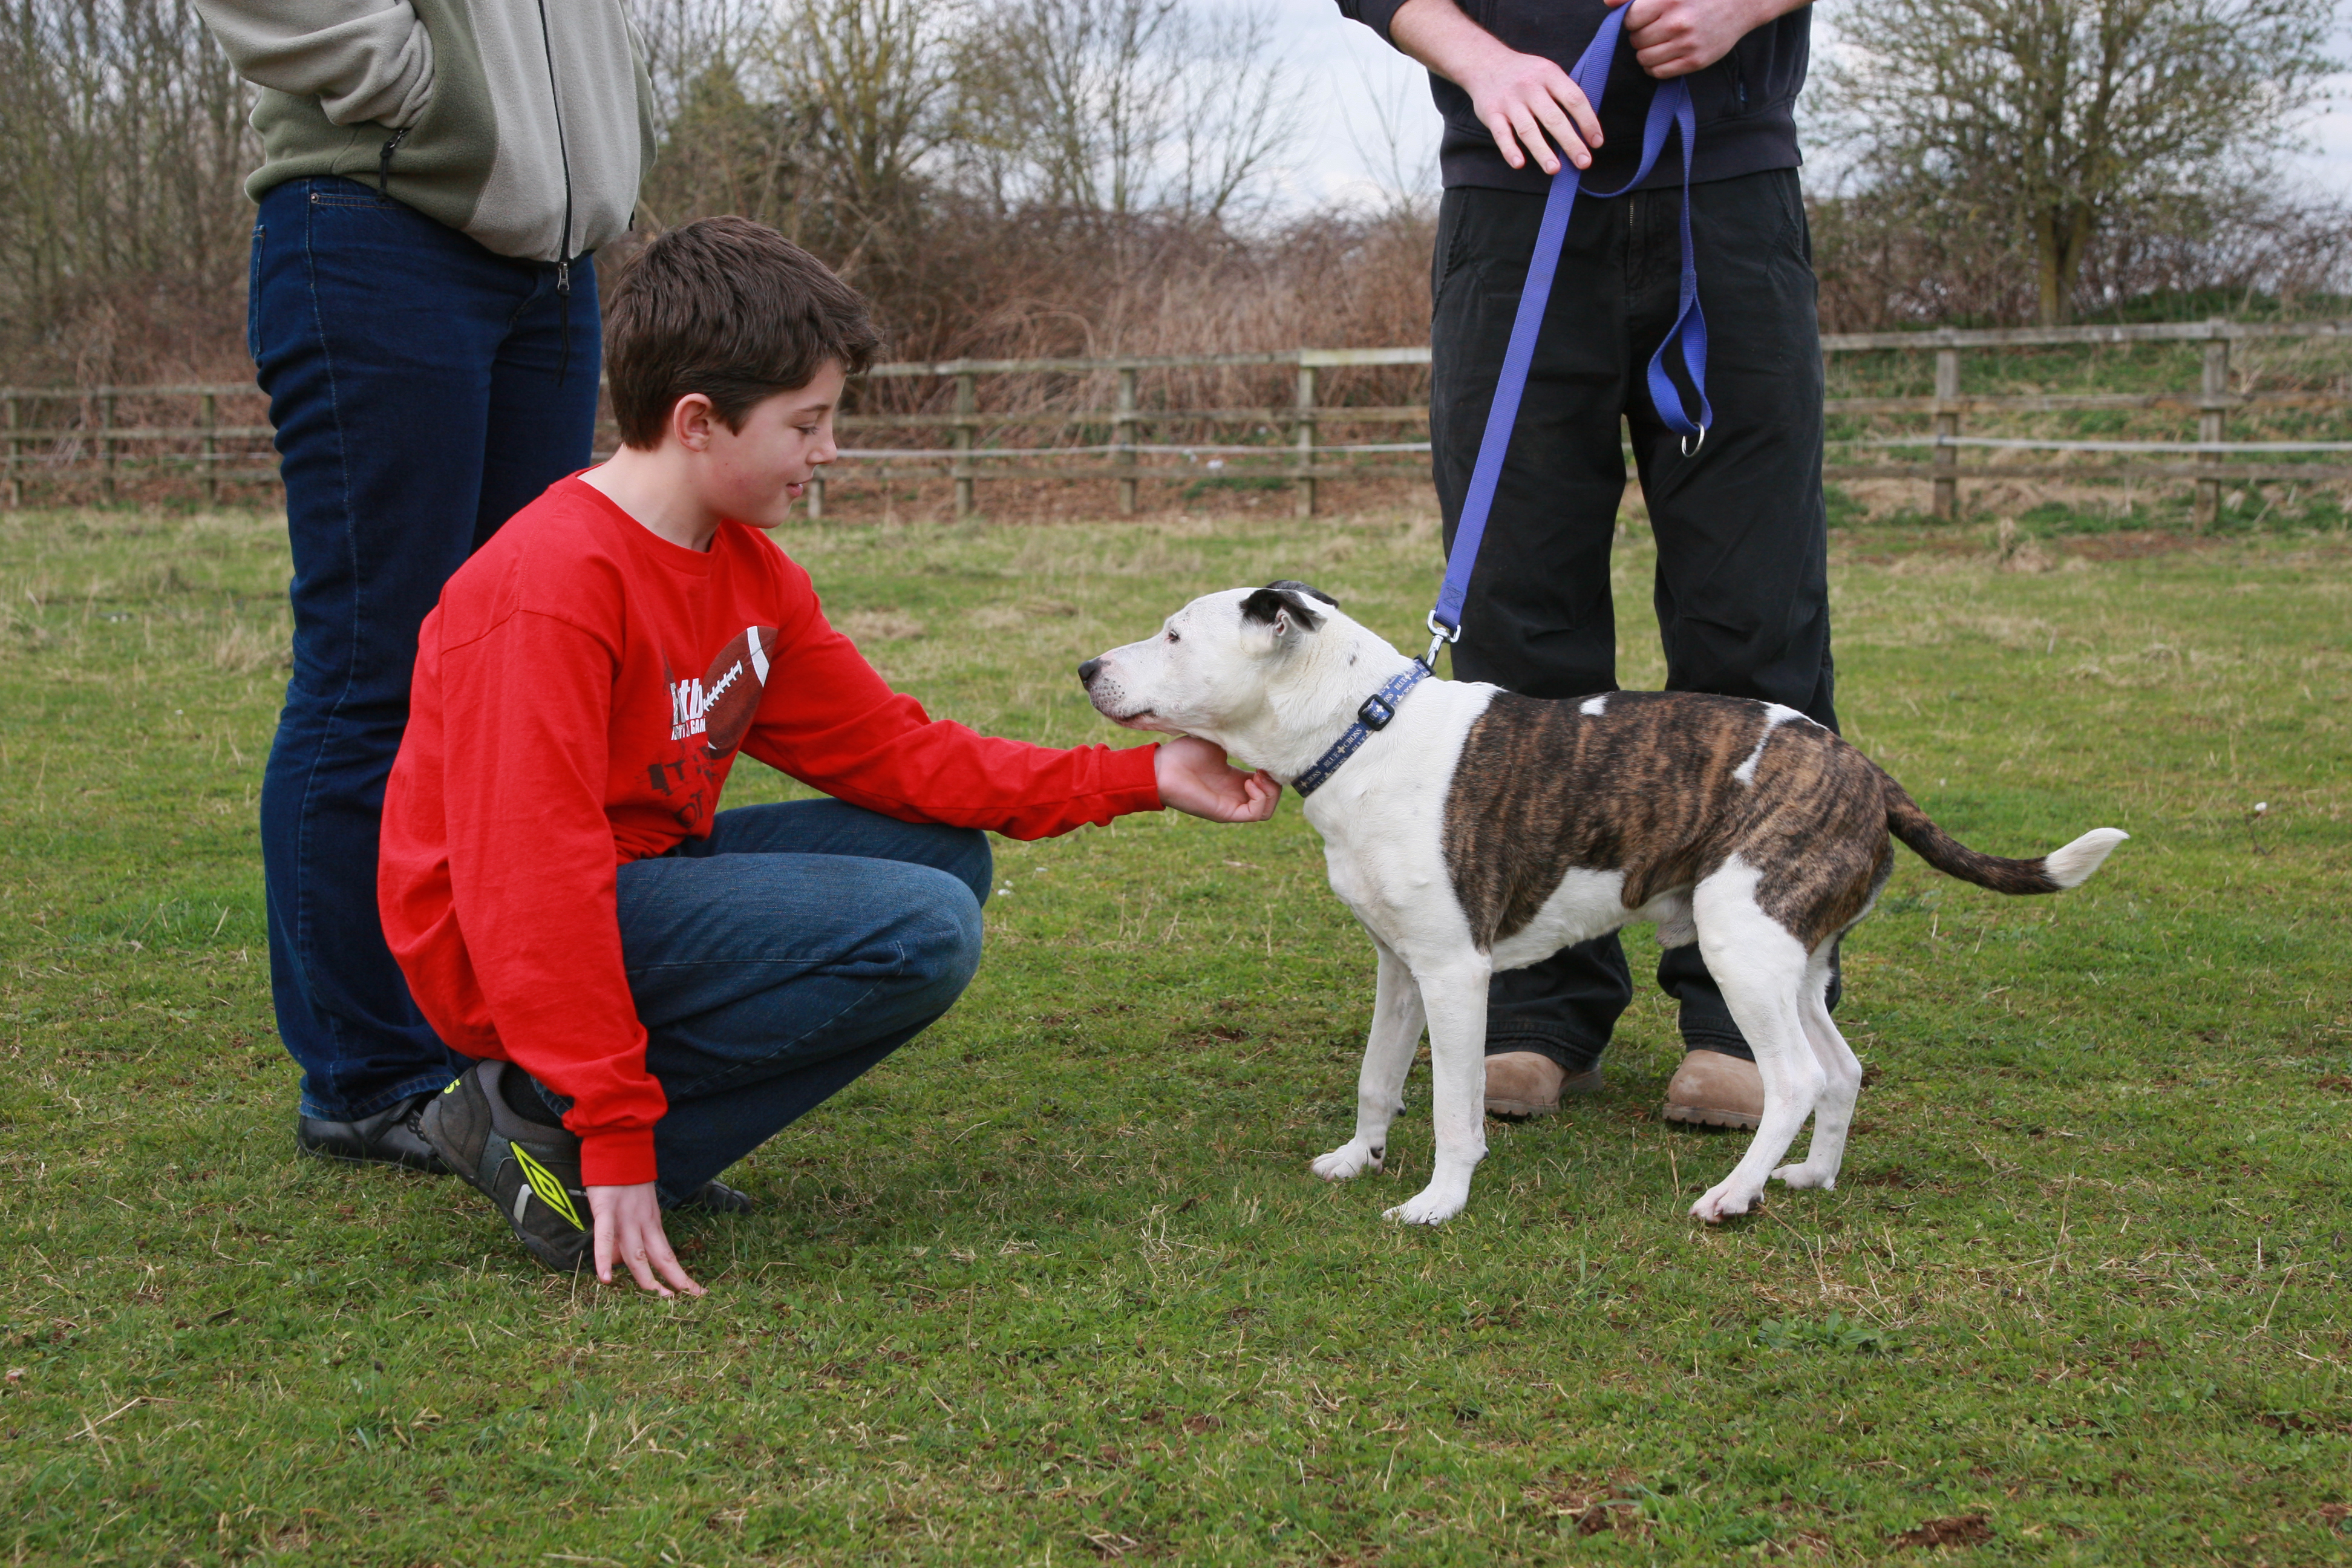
pixel 1086 671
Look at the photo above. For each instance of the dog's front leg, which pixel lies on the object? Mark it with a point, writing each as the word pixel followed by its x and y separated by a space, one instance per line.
pixel 1455 997
pixel 1388 1055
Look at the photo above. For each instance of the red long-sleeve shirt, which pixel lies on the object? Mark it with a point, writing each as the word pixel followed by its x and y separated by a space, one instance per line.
pixel 581 692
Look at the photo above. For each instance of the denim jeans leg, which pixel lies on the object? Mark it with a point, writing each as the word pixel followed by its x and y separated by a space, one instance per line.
pixel 377 333
pixel 783 957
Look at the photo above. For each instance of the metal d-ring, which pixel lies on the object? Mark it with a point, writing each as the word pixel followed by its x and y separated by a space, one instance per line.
pixel 1690 449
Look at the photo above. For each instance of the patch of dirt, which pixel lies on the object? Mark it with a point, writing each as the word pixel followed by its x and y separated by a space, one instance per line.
pixel 1961 1530
pixel 2136 544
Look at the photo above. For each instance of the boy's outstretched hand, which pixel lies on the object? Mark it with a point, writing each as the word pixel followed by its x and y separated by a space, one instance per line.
pixel 629 1227
pixel 1194 778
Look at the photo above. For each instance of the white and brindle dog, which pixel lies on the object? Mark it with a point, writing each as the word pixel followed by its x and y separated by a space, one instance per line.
pixel 1480 831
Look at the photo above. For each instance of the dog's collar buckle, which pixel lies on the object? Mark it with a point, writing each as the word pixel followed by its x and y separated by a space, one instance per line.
pixel 1374 714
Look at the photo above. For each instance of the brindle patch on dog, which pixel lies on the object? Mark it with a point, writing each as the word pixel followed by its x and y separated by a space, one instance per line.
pixel 1667 786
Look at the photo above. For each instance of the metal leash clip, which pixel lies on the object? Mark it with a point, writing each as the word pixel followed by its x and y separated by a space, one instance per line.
pixel 1438 637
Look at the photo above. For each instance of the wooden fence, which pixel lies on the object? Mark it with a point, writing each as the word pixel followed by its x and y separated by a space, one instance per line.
pixel 74 434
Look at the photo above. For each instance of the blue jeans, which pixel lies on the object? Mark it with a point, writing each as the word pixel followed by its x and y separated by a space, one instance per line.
pixel 422 395
pixel 777 959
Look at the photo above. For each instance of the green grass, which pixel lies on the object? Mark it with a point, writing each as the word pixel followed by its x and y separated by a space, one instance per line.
pixel 1055 1283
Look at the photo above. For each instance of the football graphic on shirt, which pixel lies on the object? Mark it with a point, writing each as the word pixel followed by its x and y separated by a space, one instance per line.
pixel 732 687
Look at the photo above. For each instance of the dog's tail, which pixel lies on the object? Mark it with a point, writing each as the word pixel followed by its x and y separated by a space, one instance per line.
pixel 2070 867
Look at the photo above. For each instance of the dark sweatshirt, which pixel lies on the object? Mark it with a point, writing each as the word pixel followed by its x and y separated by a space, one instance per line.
pixel 1745 101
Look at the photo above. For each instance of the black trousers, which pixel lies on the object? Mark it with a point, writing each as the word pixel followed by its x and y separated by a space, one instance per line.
pixel 1742 590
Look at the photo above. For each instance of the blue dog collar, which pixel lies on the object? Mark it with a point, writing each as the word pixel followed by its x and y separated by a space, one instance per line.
pixel 1378 710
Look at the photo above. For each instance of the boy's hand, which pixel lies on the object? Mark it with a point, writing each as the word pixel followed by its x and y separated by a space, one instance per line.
pixel 629 1226
pixel 1194 778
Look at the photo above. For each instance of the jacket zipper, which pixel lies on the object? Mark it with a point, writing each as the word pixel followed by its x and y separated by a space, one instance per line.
pixel 383 159
pixel 563 260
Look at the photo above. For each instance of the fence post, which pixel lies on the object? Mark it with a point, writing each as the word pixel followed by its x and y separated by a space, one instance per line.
pixel 1947 459
pixel 1305 440
pixel 816 498
pixel 1123 437
pixel 15 454
pixel 106 445
pixel 212 450
pixel 2215 384
pixel 967 403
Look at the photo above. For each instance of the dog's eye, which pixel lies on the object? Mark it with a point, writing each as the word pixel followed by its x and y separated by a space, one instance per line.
pixel 1173 637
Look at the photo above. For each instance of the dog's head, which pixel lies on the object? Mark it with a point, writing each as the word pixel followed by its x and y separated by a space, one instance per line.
pixel 1211 668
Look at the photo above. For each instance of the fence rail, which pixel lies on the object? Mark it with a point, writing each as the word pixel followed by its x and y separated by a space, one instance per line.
pixel 1296 447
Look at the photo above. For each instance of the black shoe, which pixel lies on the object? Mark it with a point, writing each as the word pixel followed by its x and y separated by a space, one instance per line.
pixel 716 1197
pixel 387 1138
pixel 531 1171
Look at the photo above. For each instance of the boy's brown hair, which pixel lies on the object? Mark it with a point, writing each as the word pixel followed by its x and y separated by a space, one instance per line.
pixel 730 309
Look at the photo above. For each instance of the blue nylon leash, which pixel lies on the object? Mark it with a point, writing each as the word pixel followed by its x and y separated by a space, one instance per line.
pixel 1670 108
pixel 1377 710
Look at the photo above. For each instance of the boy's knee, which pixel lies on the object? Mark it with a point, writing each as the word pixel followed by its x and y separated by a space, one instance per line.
pixel 946 953
pixel 971 862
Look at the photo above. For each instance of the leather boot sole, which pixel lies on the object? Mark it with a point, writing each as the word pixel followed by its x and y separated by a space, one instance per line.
pixel 1700 1116
pixel 1585 1083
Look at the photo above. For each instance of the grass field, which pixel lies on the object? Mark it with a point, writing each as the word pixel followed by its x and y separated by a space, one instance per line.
pixel 1055 1284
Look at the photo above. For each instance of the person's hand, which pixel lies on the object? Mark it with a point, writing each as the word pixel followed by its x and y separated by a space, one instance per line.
pixel 629 1227
pixel 1676 38
pixel 1194 778
pixel 1513 94
pixel 1517 97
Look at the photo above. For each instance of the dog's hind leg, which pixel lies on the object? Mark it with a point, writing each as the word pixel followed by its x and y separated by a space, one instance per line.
pixel 1761 969
pixel 1835 1115
pixel 1397 1021
pixel 1456 996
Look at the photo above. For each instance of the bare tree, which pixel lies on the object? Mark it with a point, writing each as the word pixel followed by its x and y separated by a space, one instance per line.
pixel 122 150
pixel 2055 120
pixel 1122 107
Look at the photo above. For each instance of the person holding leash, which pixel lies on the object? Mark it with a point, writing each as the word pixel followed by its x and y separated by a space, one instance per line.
pixel 1741 589
pixel 436 177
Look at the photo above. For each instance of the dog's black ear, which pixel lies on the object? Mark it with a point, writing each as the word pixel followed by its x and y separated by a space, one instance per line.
pixel 1309 589
pixel 1266 606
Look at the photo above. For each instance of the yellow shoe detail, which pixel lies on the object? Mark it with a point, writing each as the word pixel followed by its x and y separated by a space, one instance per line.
pixel 550 1190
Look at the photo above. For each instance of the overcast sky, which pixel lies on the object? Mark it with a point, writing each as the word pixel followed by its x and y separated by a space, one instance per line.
pixel 1346 77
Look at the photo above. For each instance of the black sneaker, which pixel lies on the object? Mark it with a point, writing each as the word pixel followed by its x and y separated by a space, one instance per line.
pixel 531 1171
pixel 387 1138
pixel 716 1197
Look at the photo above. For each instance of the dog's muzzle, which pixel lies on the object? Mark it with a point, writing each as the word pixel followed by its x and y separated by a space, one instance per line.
pixel 1087 672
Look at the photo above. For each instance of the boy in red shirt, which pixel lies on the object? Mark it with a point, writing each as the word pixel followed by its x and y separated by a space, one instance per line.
pixel 653 987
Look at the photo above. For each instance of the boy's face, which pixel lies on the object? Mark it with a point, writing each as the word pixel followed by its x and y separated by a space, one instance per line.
pixel 754 475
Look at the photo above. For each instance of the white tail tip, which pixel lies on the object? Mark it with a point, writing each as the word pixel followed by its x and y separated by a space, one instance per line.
pixel 2072 866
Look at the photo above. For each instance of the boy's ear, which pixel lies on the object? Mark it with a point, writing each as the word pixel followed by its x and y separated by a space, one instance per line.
pixel 1282 607
pixel 690 419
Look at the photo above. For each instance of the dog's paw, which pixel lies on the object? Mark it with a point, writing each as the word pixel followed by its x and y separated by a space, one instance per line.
pixel 1349 1159
pixel 1724 1202
pixel 1429 1207
pixel 1805 1175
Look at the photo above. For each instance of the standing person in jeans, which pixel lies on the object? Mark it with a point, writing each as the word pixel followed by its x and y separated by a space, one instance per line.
pixel 1741 589
pixel 436 177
